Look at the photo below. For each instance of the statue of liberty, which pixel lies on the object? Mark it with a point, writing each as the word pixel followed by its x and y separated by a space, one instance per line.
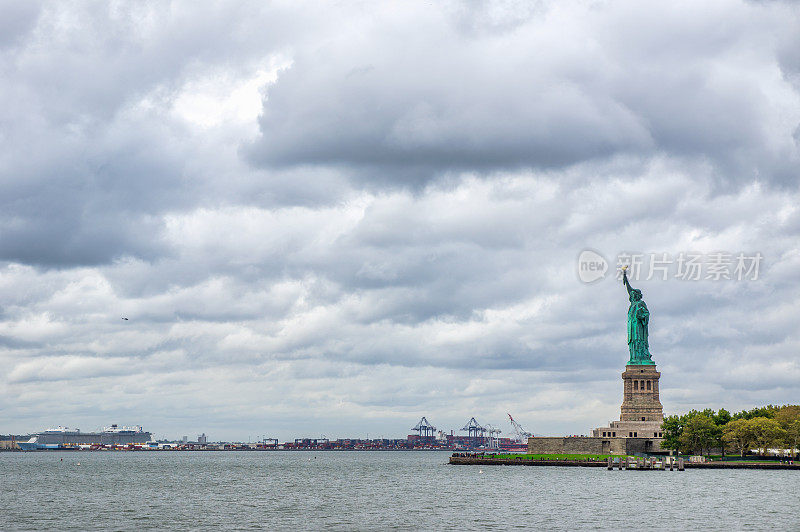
pixel 638 318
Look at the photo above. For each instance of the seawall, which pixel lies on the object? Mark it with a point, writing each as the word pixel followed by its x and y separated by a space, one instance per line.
pixel 461 460
pixel 477 460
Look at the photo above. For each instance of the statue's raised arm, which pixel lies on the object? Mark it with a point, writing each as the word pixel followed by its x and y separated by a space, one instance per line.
pixel 625 280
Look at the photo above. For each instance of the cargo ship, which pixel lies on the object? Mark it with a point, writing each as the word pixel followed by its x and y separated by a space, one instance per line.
pixel 66 438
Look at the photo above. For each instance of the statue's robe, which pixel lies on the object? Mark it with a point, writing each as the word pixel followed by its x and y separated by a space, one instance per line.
pixel 638 318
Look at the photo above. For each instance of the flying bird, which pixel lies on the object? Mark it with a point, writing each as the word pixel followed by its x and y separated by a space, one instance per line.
pixel 126 319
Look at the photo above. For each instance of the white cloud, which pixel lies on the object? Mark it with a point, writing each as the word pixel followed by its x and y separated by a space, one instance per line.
pixel 221 97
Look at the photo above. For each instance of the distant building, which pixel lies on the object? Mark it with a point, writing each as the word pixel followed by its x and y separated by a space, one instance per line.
pixel 185 439
pixel 202 439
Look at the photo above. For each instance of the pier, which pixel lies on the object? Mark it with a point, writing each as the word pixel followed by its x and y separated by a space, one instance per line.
pixel 646 464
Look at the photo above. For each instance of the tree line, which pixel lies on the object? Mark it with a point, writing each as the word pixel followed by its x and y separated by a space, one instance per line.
pixel 761 428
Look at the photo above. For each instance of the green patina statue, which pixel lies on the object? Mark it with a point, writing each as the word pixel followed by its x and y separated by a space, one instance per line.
pixel 638 318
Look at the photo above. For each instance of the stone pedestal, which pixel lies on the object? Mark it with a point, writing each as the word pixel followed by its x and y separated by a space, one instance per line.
pixel 641 413
pixel 640 400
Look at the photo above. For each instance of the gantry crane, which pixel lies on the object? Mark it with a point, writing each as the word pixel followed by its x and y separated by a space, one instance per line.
pixel 425 429
pixel 520 435
pixel 475 431
pixel 494 442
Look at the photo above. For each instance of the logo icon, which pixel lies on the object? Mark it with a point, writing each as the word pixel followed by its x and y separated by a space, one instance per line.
pixel 592 266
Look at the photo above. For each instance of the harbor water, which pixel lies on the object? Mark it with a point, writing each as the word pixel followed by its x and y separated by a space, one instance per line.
pixel 374 491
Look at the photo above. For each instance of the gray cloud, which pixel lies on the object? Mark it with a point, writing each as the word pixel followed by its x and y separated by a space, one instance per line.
pixel 17 21
pixel 570 85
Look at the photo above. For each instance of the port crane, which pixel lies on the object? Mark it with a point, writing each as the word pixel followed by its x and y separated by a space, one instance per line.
pixel 425 429
pixel 474 429
pixel 520 435
pixel 494 442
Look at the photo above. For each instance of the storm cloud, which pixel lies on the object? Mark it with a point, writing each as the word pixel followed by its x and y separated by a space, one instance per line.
pixel 335 219
pixel 410 93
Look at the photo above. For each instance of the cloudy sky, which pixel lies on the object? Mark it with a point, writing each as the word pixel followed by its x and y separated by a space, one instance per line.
pixel 334 218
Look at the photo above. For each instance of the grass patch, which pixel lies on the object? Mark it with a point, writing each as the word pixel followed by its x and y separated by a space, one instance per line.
pixel 555 456
pixel 746 459
pixel 749 461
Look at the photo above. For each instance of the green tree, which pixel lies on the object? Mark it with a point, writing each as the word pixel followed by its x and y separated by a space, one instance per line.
pixel 722 417
pixel 761 411
pixel 793 436
pixel 738 433
pixel 766 433
pixel 699 434
pixel 672 428
pixel 787 414
pixel 739 436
